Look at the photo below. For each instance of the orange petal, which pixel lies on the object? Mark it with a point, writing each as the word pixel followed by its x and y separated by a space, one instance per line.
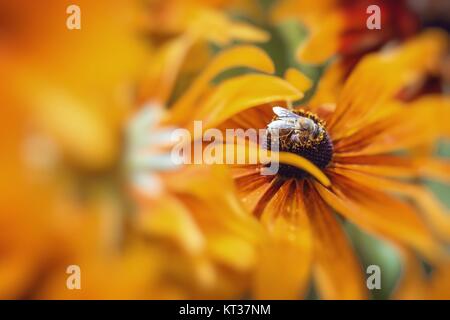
pixel 368 87
pixel 397 166
pixel 404 127
pixel 379 213
pixel 383 165
pixel 433 211
pixel 334 256
pixel 283 269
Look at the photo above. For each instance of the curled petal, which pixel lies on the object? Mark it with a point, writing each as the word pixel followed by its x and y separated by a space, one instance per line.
pixel 240 56
pixel 244 92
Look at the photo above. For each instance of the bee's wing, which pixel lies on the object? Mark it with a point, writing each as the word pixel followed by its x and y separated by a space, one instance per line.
pixel 284 113
pixel 280 125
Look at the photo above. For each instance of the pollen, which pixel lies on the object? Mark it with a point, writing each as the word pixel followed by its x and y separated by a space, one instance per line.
pixel 312 143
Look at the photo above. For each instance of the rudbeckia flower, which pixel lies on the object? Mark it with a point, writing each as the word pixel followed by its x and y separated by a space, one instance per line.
pixel 362 166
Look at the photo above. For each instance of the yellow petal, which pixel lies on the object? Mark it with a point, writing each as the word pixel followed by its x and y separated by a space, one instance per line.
pixel 241 93
pixel 171 219
pixel 240 56
pixel 298 79
pixel 215 26
pixel 250 149
pixel 329 86
pixel 248 33
pixel 304 164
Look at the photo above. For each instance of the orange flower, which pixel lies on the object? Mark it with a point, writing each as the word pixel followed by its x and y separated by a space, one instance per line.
pixel 64 101
pixel 68 94
pixel 354 168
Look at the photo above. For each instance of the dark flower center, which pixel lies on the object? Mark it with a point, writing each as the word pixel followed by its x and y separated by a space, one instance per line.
pixel 312 143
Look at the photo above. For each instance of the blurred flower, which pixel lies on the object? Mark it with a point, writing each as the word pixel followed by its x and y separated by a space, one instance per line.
pixel 74 90
pixel 68 94
pixel 339 26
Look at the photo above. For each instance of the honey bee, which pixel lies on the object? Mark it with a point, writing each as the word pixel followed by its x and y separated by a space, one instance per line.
pixel 296 128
